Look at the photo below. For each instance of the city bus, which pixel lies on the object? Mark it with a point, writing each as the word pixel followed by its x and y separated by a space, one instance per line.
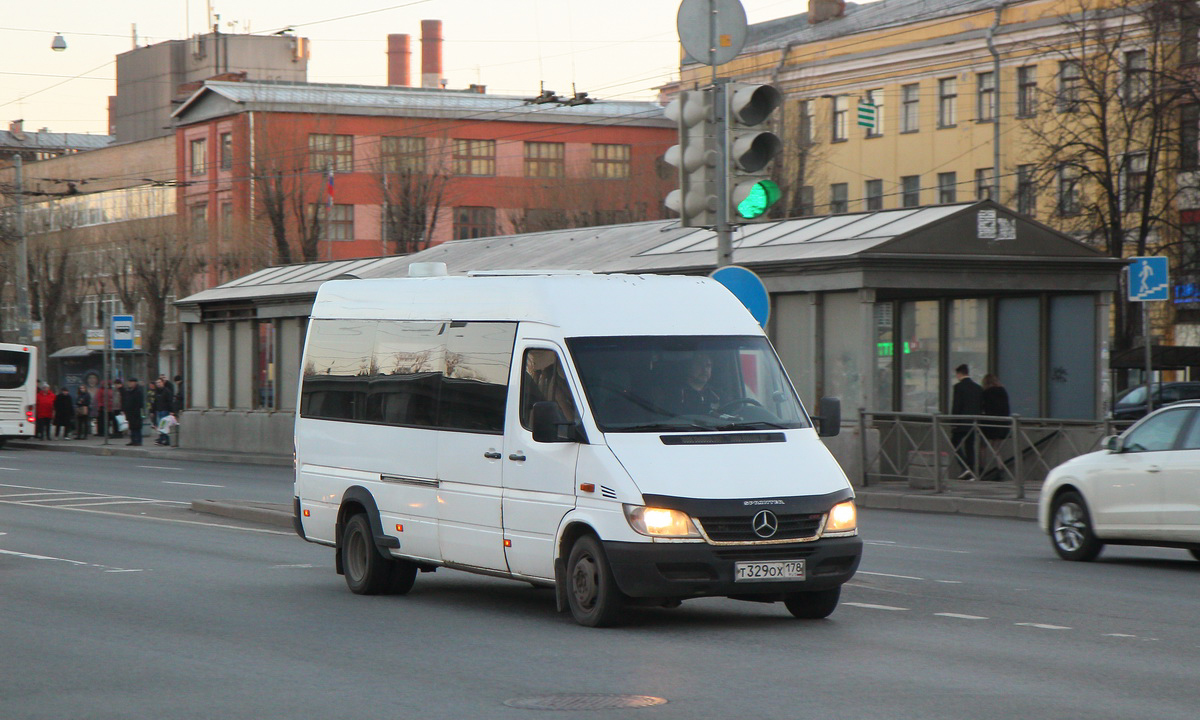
pixel 18 385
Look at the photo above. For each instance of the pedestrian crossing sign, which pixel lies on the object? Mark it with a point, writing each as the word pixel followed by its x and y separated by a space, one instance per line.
pixel 1148 279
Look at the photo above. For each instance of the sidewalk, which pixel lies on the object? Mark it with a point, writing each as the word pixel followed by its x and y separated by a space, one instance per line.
pixel 988 499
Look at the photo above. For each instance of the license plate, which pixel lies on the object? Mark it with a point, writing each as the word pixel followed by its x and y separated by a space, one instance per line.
pixel 768 571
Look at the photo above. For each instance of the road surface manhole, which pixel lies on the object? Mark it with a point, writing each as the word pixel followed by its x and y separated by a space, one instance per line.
pixel 584 701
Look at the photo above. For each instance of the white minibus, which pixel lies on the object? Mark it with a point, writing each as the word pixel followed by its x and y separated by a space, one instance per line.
pixel 626 440
pixel 18 391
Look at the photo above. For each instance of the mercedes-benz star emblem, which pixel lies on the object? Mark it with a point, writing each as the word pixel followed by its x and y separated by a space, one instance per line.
pixel 765 524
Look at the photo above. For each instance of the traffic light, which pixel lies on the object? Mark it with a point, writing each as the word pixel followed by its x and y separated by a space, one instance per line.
pixel 696 157
pixel 751 192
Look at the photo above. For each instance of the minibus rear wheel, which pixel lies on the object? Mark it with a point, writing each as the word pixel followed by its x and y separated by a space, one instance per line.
pixel 368 571
pixel 813 605
pixel 592 593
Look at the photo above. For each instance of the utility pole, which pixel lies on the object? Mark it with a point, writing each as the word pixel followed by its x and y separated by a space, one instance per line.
pixel 24 330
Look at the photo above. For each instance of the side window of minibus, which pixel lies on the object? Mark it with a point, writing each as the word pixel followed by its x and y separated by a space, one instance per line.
pixel 543 379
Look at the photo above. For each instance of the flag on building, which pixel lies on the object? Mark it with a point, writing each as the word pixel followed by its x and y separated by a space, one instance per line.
pixel 329 187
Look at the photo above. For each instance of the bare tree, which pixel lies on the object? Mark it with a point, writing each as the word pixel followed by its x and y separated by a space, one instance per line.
pixel 148 264
pixel 1106 137
pixel 411 200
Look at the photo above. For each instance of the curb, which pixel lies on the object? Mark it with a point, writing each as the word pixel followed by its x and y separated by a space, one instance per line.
pixel 275 514
pixel 949 504
pixel 171 453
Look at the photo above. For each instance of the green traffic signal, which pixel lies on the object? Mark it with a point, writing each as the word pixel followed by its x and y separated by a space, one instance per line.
pixel 761 197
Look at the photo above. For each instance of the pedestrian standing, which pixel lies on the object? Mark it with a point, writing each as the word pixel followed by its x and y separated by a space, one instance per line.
pixel 116 396
pixel 179 403
pixel 64 414
pixel 995 403
pixel 133 402
pixel 83 413
pixel 967 399
pixel 44 411
pixel 163 402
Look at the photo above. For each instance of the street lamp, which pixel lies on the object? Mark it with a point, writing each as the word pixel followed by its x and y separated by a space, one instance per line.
pixel 59 43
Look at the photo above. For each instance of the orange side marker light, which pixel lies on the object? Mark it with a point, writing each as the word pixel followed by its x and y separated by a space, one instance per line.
pixel 587 487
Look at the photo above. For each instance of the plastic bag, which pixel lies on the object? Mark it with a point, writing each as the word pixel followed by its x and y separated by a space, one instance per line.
pixel 122 423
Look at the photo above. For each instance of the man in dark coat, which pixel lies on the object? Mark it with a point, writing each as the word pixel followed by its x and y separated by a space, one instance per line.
pixel 967 400
pixel 133 401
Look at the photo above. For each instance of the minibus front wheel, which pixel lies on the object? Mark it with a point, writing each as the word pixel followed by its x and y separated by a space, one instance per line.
pixel 592 592
pixel 814 604
pixel 367 570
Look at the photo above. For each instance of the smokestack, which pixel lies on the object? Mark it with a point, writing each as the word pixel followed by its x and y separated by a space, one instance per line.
pixel 399 57
pixel 431 53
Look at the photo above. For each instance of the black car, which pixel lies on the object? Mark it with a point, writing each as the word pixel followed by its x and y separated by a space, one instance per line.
pixel 1132 404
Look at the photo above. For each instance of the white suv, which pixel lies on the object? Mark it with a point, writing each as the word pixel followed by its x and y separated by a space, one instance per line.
pixel 1143 488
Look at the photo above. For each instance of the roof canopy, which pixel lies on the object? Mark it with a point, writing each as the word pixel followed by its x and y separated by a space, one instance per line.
pixel 963 248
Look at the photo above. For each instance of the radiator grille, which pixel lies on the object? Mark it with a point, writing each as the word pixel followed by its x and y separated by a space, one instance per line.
pixel 741 528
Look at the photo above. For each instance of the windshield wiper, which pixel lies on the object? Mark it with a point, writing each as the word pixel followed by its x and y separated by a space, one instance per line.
pixel 755 425
pixel 662 427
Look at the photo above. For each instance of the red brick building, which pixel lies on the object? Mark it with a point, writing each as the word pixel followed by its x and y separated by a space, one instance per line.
pixel 408 167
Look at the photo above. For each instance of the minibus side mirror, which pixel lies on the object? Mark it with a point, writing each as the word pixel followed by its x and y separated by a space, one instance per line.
pixel 550 426
pixel 829 422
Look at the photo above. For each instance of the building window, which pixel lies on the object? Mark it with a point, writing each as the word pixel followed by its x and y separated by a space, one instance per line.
pixel 611 161
pixel 474 222
pixel 1026 196
pixel 226 221
pixel 841 118
pixel 474 157
pixel 198 221
pixel 873 195
pixel 875 97
pixel 545 159
pixel 806 136
pixel 910 99
pixel 340 222
pixel 226 140
pixel 839 200
pixel 199 150
pixel 983 184
pixel 1136 83
pixel 334 152
pixel 1027 91
pixel 910 191
pixel 1189 137
pixel 1068 190
pixel 985 101
pixel 947 102
pixel 403 154
pixel 947 187
pixel 806 201
pixel 1189 38
pixel 1070 83
pixel 1134 180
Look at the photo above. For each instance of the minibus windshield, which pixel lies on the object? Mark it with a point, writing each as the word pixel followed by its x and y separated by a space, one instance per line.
pixel 685 384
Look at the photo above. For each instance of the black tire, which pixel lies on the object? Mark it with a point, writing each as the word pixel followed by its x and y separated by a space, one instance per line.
pixel 1071 529
pixel 813 605
pixel 592 593
pixel 367 570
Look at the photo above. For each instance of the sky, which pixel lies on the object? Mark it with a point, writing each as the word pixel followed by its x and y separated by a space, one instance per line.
pixel 617 49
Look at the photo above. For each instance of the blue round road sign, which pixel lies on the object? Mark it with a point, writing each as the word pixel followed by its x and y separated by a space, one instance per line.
pixel 747 287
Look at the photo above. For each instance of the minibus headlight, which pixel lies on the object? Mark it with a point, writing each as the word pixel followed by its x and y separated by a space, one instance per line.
pixel 843 518
pixel 660 522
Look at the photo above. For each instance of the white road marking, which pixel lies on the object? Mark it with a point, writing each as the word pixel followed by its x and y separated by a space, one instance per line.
pixel 288 567
pixel 30 556
pixel 949 582
pixel 960 616
pixel 144 516
pixel 889 575
pixel 175 482
pixel 889 543
pixel 1119 635
pixel 159 467
pixel 869 606
pixel 1043 626
pixel 10 469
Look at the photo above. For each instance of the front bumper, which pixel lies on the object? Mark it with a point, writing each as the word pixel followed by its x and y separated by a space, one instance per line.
pixel 682 570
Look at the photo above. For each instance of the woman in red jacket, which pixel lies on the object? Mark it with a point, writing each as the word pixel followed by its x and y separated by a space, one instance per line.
pixel 45 411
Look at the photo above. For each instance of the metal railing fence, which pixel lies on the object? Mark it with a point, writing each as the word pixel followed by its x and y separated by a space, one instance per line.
pixel 931 451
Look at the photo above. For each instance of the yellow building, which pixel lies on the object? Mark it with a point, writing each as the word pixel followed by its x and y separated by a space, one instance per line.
pixel 961 87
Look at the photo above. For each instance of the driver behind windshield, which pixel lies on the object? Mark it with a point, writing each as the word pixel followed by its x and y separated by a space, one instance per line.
pixel 693 396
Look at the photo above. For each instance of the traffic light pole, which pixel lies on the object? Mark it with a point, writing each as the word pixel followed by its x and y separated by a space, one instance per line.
pixel 723 229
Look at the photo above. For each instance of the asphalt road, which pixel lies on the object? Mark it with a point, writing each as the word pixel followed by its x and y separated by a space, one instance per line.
pixel 116 601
